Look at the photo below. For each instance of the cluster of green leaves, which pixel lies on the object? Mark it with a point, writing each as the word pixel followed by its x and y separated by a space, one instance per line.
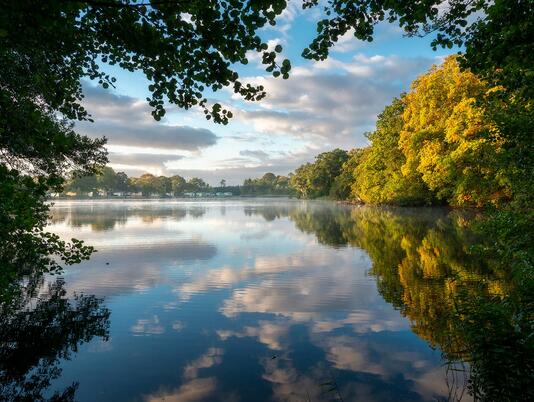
pixel 183 48
pixel 268 184
pixel 495 34
pixel 25 245
pixel 499 46
pixel 342 16
pixel 314 180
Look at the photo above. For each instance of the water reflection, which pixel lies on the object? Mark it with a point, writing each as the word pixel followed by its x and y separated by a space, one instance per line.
pixel 105 215
pixel 274 300
pixel 39 327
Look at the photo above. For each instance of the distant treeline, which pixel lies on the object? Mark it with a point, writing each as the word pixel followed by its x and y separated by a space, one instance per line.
pixel 109 182
pixel 451 140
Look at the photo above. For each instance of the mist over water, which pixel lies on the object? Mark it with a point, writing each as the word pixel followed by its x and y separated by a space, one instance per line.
pixel 257 300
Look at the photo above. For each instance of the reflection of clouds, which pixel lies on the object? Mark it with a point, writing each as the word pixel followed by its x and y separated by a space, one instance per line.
pixel 271 268
pixel 386 358
pixel 213 279
pixel 134 269
pixel 373 371
pixel 228 276
pixel 193 388
pixel 198 389
pixel 288 384
pixel 212 357
pixel 282 290
pixel 267 332
pixel 134 255
pixel 363 321
pixel 352 354
pixel 178 326
pixel 150 326
pixel 309 286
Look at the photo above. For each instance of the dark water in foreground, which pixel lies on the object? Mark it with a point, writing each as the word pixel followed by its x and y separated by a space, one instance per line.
pixel 268 300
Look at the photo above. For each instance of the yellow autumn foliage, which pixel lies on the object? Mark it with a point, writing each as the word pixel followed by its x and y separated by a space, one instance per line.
pixel 448 139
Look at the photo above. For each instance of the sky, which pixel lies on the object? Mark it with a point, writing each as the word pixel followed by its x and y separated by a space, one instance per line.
pixel 322 106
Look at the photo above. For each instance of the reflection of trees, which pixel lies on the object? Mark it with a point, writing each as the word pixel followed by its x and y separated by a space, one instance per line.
pixel 421 262
pixel 268 212
pixel 101 218
pixel 99 222
pixel 196 212
pixel 324 222
pixel 454 297
pixel 36 332
pixel 420 258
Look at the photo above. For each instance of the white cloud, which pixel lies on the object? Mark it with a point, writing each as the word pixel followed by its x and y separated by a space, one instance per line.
pixel 127 121
pixel 333 102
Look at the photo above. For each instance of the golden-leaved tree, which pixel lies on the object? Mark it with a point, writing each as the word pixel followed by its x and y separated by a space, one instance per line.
pixel 449 139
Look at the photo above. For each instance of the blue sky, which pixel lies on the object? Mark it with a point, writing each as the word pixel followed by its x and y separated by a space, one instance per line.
pixel 323 105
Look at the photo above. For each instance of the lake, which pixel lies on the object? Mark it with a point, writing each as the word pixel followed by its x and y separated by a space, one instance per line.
pixel 262 299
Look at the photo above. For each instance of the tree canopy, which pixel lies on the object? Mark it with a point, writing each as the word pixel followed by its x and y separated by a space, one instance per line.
pixel 450 140
pixel 107 181
pixel 378 178
pixel 314 180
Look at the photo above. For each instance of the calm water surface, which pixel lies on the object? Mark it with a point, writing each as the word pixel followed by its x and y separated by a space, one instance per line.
pixel 252 300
